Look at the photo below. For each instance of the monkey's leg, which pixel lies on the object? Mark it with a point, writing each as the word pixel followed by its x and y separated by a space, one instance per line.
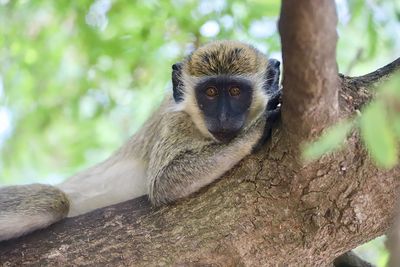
pixel 189 170
pixel 272 76
pixel 115 180
pixel 26 208
pixel 273 113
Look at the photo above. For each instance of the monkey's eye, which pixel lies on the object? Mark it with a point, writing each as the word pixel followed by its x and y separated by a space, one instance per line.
pixel 234 91
pixel 211 91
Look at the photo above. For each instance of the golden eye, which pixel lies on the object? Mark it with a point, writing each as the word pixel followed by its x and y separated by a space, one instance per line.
pixel 211 91
pixel 234 91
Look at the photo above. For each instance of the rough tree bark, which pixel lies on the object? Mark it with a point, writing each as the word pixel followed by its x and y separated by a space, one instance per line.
pixel 271 209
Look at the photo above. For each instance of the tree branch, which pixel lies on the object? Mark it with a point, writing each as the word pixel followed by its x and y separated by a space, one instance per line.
pixel 358 91
pixel 372 78
pixel 252 216
pixel 308 35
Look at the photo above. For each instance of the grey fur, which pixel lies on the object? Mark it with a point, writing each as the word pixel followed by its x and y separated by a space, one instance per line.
pixel 32 199
pixel 183 161
pixel 28 207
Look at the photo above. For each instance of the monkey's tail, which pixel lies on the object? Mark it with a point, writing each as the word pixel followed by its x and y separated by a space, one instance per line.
pixel 25 208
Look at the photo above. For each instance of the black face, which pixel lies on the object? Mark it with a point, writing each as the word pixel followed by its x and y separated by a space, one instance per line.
pixel 225 102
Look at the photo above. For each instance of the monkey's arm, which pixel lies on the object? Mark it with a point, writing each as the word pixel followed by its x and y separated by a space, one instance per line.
pixel 181 167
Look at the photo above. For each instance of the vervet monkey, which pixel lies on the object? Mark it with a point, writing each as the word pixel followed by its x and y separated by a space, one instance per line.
pixel 224 103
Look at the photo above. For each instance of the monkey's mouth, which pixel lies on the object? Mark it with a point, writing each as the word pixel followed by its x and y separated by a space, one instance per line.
pixel 224 136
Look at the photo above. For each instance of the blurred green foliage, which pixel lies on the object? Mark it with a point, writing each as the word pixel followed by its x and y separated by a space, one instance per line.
pixel 79 77
pixel 379 124
pixel 331 140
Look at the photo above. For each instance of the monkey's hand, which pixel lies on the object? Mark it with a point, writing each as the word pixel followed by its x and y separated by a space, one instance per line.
pixel 273 115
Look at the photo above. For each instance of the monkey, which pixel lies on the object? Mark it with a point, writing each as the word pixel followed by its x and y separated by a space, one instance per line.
pixel 225 101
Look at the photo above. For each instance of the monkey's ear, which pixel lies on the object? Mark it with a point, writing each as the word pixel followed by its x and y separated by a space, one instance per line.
pixel 177 85
pixel 272 76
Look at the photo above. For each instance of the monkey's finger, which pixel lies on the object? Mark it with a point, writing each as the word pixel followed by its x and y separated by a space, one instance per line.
pixel 274 101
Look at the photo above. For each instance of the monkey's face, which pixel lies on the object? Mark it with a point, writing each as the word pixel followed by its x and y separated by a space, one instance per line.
pixel 224 102
pixel 224 87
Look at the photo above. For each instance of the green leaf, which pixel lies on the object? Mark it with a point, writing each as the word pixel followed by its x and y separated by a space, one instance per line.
pixel 332 139
pixel 378 135
pixel 391 88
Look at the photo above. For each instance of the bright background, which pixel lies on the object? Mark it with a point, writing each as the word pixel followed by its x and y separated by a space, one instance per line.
pixel 79 77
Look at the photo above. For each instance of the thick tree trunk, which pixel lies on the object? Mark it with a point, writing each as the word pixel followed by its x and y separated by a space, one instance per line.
pixel 271 209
